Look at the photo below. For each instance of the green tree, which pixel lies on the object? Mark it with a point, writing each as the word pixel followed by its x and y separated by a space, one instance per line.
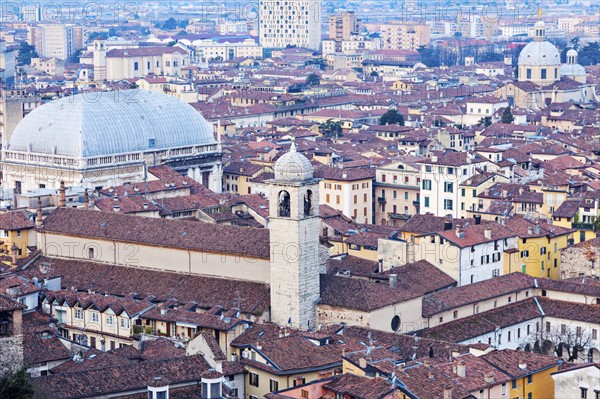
pixel 485 121
pixel 169 24
pixel 331 128
pixel 507 116
pixel 392 117
pixel 26 53
pixel 16 385
pixel 313 80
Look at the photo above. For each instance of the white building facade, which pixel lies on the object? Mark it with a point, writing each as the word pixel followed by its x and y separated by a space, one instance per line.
pixel 290 23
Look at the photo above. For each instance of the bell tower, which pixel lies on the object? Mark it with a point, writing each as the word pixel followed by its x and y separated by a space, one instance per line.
pixel 294 227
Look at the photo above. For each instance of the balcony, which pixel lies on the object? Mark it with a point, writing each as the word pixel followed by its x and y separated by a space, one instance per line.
pixel 416 203
pixel 381 200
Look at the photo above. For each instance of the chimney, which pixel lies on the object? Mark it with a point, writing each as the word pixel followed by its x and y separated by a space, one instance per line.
pixel 536 228
pixel 164 311
pixel 38 219
pixel 86 200
pixel 145 205
pixel 477 219
pixel 530 230
pixel 461 370
pixel 380 266
pixel 487 233
pixel 460 233
pixel 393 280
pixel 14 253
pixel 362 362
pixel 344 352
pixel 447 224
pixel 455 353
pixel 431 377
pixel 447 392
pixel 61 195
pixel 116 208
pixel 522 365
pixel 489 378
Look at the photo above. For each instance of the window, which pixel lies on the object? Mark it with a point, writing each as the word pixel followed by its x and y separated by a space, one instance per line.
pixel 594 333
pixel 253 379
pixel 530 378
pixel 299 381
pixel 95 317
pixel 547 326
pixel 136 66
pixel 110 320
pixel 448 187
pixel 426 184
pixel 78 314
pixel 448 204
pixel 528 73
pixel 504 389
pixel 455 314
pixel 530 395
pixel 514 384
pixel 124 323
pixel 426 202
pixel 304 394
pixel 544 73
pixel 273 385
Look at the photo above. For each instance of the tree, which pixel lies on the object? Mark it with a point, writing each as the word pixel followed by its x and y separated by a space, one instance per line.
pixel 16 385
pixel 26 53
pixel 313 80
pixel 507 116
pixel 392 117
pixel 169 24
pixel 485 121
pixel 331 128
pixel 565 341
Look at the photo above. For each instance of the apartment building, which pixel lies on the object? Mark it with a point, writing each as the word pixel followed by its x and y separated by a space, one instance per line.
pixel 441 176
pixel 348 190
pixel 95 320
pixel 397 189
pixel 290 23
pixel 141 62
pixel 55 40
pixel 396 35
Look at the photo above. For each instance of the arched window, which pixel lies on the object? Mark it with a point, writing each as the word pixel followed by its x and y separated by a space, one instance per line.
pixel 136 66
pixel 308 203
pixel 284 204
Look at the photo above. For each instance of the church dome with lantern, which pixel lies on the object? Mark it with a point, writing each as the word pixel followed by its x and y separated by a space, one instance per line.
pixel 293 167
pixel 539 61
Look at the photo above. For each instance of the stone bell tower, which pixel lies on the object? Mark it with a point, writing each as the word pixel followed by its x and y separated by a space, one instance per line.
pixel 294 226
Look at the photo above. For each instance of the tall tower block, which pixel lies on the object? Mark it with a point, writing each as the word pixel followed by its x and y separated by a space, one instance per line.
pixel 294 226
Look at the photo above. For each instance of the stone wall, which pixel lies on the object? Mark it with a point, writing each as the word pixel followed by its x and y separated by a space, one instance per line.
pixel 11 353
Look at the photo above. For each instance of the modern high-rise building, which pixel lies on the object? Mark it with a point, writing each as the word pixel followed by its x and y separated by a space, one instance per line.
pixel 290 23
pixel 55 41
pixel 342 26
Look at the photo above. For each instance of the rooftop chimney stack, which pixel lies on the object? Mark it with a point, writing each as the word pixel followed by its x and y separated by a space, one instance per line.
pixel 38 219
pixel 489 378
pixel 14 253
pixel 460 233
pixel 447 224
pixel 461 370
pixel 61 195
pixel 393 280
pixel 477 219
pixel 522 365
pixel 86 200
pixel 487 233
pixel 448 392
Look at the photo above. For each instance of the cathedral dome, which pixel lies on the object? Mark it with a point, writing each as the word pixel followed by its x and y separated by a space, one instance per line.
pixel 110 123
pixel 539 53
pixel 293 167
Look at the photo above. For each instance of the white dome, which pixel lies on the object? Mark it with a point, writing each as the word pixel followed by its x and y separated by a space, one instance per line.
pixel 540 24
pixel 572 70
pixel 572 53
pixel 293 167
pixel 539 54
pixel 110 123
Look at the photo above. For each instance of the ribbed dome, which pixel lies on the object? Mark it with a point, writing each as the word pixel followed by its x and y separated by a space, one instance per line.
pixel 293 167
pixel 539 54
pixel 110 123
pixel 572 70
